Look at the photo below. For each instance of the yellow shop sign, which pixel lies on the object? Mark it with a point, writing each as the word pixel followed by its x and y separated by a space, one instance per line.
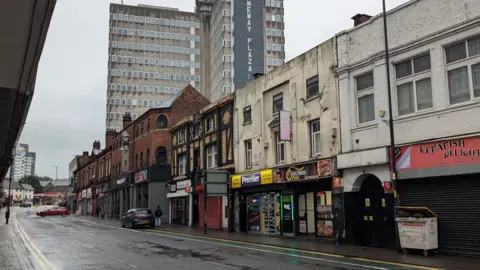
pixel 264 177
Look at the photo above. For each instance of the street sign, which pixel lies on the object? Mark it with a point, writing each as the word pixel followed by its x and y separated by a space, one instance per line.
pixel 217 183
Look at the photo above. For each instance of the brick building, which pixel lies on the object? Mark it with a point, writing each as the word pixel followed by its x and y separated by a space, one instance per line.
pixel 140 153
pixel 92 179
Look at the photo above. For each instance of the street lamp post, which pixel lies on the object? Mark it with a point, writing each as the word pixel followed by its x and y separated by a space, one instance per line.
pixel 9 199
pixel 55 181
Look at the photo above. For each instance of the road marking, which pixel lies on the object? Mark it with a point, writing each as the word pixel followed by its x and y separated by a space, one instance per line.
pixel 37 253
pixel 221 264
pixel 273 252
pixel 27 246
pixel 94 247
pixel 189 236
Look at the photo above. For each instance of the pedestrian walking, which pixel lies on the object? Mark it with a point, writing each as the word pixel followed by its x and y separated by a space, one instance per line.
pixel 98 211
pixel 158 216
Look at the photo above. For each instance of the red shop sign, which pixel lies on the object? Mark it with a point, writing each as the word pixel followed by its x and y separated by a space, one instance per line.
pixel 438 154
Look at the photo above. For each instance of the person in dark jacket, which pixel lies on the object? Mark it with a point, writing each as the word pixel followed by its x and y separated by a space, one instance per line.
pixel 98 211
pixel 158 216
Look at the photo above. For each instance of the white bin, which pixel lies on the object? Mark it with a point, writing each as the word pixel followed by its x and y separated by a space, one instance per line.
pixel 419 233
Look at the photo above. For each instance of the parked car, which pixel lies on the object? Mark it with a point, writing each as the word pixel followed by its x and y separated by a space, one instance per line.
pixel 140 217
pixel 26 204
pixel 55 211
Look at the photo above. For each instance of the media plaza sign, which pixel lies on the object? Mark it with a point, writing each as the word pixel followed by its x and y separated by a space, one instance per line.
pixel 248 40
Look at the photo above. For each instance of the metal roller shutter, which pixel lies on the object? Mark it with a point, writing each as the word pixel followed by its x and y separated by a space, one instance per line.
pixel 456 201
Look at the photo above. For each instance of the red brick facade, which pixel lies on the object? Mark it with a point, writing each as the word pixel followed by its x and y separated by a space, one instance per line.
pixel 147 135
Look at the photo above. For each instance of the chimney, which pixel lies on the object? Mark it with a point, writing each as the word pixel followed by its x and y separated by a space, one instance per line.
pixel 127 119
pixel 96 145
pixel 360 18
pixel 257 75
pixel 85 157
pixel 109 136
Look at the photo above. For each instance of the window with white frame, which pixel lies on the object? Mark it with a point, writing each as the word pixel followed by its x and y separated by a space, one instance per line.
pixel 181 136
pixel 211 156
pixel 210 124
pixel 315 137
pixel 463 70
pixel 182 164
pixel 248 154
pixel 365 98
pixel 414 86
pixel 280 149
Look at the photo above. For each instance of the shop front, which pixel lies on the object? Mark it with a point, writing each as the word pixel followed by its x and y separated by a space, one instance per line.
pixel 289 201
pixel 88 195
pixel 180 202
pixel 102 192
pixel 260 205
pixel 444 176
pixel 83 203
pixel 120 194
pixel 141 189
pixel 78 204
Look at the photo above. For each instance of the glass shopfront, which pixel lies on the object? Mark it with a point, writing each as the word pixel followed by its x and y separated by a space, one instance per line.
pixel 263 213
pixel 180 210
pixel 324 214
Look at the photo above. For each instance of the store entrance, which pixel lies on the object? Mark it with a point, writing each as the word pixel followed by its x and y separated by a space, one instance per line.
pixel 263 213
pixel 180 210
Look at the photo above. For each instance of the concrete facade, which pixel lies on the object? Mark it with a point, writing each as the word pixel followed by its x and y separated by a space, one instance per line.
pixel 290 80
pixel 419 28
pixel 153 54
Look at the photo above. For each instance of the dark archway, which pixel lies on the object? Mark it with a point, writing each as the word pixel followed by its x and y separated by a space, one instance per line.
pixel 372 211
pixel 161 155
pixel 162 121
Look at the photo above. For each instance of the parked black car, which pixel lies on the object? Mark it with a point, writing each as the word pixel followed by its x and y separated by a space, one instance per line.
pixel 26 204
pixel 139 217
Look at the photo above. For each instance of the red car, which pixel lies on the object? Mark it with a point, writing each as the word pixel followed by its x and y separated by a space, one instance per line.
pixel 55 211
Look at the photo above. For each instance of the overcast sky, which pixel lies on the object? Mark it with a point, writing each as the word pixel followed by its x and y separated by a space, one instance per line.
pixel 68 109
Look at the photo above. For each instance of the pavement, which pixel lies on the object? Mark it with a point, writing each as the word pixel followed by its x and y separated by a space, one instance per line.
pixel 31 242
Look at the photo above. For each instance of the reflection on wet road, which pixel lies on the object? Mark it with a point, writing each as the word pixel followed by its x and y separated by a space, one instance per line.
pixel 72 243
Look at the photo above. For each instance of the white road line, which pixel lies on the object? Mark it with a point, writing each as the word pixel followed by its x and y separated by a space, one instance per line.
pixel 272 252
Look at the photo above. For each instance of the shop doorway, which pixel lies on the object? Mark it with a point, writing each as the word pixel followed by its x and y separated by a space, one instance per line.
pixel 180 210
pixel 195 210
pixel 263 213
pixel 369 214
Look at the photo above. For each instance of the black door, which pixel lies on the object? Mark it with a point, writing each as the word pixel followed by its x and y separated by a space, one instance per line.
pixel 377 222
pixel 243 214
pixel 195 210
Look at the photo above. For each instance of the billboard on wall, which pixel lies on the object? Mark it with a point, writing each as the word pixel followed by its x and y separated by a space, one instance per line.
pixel 249 44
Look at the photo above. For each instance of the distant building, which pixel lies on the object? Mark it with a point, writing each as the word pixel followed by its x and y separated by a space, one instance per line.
pixel 238 39
pixel 153 53
pixel 24 164
pixel 19 192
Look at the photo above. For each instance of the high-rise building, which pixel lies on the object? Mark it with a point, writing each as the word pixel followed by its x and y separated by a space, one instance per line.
pixel 24 163
pixel 153 53
pixel 239 38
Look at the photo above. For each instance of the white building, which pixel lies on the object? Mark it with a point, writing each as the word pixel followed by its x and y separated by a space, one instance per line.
pixel 24 164
pixel 435 81
pixel 18 192
pixel 285 139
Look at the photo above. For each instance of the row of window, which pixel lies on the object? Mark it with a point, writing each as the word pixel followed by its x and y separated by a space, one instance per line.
pixel 153 34
pixel 153 48
pixel 275 47
pixel 211 159
pixel 273 17
pixel 273 3
pixel 133 102
pixel 414 81
pixel 274 32
pixel 118 116
pixel 153 20
pixel 153 61
pixel 143 88
pixel 274 62
pixel 153 75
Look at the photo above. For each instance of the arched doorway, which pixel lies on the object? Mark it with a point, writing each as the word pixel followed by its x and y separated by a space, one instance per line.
pixel 161 155
pixel 372 212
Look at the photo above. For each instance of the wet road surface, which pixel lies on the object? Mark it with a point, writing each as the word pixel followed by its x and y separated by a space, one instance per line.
pixel 73 243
